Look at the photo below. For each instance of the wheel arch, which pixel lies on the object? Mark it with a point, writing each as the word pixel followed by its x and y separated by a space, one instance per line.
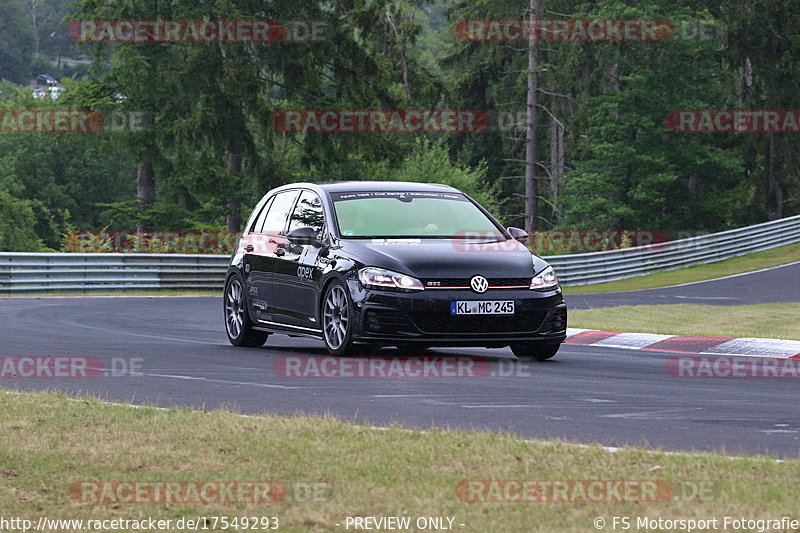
pixel 332 276
pixel 234 270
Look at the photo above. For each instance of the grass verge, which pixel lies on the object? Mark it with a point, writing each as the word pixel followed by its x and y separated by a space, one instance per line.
pixel 737 265
pixel 49 441
pixel 772 321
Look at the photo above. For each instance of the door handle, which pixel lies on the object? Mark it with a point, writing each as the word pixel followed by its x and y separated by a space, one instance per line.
pixel 280 252
pixel 249 248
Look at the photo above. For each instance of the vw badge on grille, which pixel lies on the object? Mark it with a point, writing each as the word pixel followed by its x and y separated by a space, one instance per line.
pixel 479 284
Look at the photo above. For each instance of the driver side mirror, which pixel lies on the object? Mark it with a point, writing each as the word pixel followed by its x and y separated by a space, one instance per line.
pixel 304 236
pixel 520 234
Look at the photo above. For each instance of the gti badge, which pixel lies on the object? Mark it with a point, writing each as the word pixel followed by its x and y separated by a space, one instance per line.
pixel 479 284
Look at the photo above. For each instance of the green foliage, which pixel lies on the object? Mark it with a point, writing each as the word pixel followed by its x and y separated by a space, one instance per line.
pixel 631 172
pixel 9 91
pixel 206 103
pixel 160 216
pixel 33 40
pixel 763 40
pixel 16 42
pixel 16 225
pixel 429 162
pixel 60 177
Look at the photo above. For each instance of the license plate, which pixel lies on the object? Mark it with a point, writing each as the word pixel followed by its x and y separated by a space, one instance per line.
pixel 482 307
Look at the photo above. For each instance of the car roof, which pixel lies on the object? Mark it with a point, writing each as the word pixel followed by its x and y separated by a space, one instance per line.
pixel 365 186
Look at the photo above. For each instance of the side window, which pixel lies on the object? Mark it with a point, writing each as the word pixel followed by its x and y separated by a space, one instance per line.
pixel 259 221
pixel 275 221
pixel 308 213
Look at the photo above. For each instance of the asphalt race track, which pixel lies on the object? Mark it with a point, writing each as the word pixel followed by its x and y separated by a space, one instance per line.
pixel 586 394
pixel 773 285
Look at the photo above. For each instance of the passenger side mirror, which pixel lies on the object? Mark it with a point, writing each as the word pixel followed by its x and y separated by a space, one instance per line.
pixel 304 236
pixel 520 234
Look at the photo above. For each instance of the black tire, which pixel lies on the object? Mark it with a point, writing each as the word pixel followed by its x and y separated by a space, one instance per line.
pixel 535 351
pixel 238 325
pixel 337 320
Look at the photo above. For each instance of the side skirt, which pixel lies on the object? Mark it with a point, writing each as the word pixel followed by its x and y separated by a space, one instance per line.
pixel 277 327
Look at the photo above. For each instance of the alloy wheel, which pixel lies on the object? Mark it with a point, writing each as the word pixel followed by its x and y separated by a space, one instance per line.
pixel 335 317
pixel 234 308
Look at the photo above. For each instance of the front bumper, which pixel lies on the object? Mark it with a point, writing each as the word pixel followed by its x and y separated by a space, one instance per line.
pixel 424 316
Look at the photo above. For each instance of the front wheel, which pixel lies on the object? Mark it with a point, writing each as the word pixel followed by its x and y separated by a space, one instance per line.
pixel 337 320
pixel 238 325
pixel 535 351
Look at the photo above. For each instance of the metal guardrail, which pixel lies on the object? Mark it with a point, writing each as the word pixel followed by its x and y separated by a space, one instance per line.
pixel 22 272
pixel 598 267
pixel 29 273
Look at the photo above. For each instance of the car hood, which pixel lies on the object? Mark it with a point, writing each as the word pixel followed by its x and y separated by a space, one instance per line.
pixel 446 258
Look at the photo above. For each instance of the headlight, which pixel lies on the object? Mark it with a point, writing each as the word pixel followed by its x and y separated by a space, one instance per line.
pixel 545 279
pixel 386 279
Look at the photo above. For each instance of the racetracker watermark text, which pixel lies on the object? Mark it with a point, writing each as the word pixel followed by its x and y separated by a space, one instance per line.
pixel 68 367
pixel 72 121
pixel 734 121
pixel 583 490
pixel 199 492
pixel 50 121
pixel 381 121
pixel 564 30
pixel 195 31
pixel 587 30
pixel 176 242
pixel 403 367
pixel 732 367
pixel 560 241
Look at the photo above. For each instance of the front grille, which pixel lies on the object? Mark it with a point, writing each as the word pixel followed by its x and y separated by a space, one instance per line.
pixel 464 282
pixel 479 324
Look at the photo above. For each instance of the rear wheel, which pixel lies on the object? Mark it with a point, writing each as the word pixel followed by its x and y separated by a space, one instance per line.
pixel 238 325
pixel 535 351
pixel 337 320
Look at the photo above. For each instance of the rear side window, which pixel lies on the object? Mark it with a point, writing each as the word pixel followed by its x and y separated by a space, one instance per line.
pixel 275 221
pixel 259 221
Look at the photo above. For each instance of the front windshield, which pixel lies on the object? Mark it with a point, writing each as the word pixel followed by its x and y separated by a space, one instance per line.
pixel 411 215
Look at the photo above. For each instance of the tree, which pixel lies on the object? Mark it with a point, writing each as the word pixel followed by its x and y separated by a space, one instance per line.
pixel 429 162
pixel 513 82
pixel 16 225
pixel 631 172
pixel 61 177
pixel 16 47
pixel 532 130
pixel 764 47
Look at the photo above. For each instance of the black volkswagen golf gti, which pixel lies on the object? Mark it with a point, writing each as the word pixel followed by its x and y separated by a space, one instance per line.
pixel 412 265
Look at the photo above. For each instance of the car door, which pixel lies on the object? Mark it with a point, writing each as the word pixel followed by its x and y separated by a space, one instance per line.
pixel 266 243
pixel 297 273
